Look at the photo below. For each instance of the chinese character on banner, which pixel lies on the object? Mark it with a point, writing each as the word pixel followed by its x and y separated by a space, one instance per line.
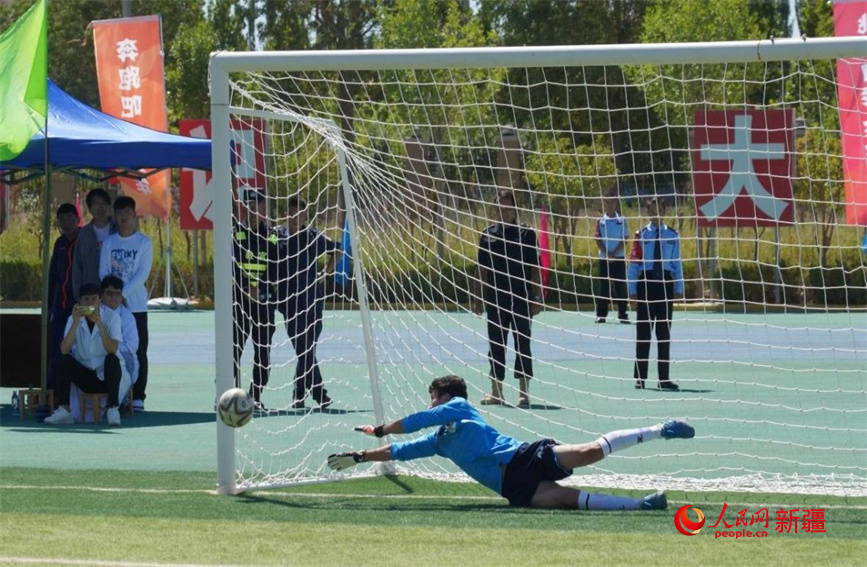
pixel 850 19
pixel 248 143
pixel 129 67
pixel 742 167
pixel 787 520
pixel 813 521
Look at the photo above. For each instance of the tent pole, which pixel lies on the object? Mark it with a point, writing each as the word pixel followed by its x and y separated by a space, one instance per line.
pixel 168 289
pixel 46 232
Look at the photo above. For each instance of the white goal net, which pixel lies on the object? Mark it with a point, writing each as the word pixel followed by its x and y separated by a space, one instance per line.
pixel 402 155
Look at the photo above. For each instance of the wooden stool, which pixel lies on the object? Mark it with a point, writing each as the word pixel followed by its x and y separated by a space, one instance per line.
pixel 96 401
pixel 28 400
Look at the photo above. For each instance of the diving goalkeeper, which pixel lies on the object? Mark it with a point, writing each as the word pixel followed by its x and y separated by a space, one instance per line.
pixel 526 474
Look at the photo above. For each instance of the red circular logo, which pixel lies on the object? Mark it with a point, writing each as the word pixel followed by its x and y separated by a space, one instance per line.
pixel 686 526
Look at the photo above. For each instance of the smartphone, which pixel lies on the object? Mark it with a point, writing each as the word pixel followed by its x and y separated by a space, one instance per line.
pixel 88 309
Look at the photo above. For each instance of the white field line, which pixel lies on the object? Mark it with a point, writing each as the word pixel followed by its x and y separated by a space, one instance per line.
pixel 94 562
pixel 324 495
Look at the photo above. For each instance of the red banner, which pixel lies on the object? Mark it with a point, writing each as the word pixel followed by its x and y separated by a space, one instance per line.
pixel 850 19
pixel 129 67
pixel 248 144
pixel 742 167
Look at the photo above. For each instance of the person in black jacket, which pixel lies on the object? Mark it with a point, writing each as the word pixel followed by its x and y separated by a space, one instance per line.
pixel 508 270
pixel 301 297
pixel 255 267
pixel 61 294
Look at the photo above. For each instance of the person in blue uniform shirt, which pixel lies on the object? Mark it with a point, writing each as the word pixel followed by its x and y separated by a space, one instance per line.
pixel 655 282
pixel 255 269
pixel 526 474
pixel 611 234
pixel 301 297
pixel 508 271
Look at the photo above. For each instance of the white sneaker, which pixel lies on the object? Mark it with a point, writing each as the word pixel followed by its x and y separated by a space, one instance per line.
pixel 113 415
pixel 138 406
pixel 61 416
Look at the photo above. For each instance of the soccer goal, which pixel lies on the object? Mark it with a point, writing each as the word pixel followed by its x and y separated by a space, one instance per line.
pixel 399 155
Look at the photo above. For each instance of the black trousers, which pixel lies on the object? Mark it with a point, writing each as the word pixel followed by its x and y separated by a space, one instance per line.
pixel 655 302
pixel 56 325
pixel 502 320
pixel 304 325
pixel 70 371
pixel 257 319
pixel 141 325
pixel 612 277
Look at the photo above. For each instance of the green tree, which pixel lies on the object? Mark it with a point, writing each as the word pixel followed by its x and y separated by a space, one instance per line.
pixel 450 111
pixel 571 176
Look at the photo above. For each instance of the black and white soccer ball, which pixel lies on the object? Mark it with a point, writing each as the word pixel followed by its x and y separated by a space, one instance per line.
pixel 235 407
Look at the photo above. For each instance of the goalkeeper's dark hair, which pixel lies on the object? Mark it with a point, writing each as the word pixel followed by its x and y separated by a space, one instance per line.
pixel 450 384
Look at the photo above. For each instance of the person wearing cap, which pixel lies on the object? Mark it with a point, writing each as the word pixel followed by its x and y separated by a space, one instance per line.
pixel 255 269
pixel 655 280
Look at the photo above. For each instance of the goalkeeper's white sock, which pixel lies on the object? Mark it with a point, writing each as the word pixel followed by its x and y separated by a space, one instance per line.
pixel 618 440
pixel 588 501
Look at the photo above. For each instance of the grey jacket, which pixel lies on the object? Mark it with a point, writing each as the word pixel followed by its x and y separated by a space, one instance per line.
pixel 85 264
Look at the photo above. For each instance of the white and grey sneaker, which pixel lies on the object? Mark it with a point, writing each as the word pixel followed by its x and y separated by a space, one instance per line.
pixel 113 415
pixel 138 406
pixel 61 416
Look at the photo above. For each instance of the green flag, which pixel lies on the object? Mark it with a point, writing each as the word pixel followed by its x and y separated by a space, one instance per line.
pixel 23 80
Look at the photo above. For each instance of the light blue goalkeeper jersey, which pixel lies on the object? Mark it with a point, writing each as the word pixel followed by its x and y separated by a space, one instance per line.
pixel 462 436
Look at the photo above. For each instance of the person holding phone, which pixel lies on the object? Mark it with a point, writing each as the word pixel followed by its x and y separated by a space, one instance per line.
pixel 90 357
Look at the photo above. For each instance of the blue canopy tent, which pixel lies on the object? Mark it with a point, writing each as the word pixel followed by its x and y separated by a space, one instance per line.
pixel 83 140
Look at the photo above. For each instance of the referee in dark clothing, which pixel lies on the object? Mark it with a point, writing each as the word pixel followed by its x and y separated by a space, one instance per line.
pixel 255 268
pixel 655 281
pixel 508 264
pixel 301 297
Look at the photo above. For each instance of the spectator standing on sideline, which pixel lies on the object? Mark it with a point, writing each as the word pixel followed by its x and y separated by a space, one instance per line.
pixel 61 296
pixel 128 255
pixel 90 239
pixel 301 297
pixel 610 237
pixel 111 289
pixel 655 281
pixel 508 269
pixel 90 358
pixel 255 265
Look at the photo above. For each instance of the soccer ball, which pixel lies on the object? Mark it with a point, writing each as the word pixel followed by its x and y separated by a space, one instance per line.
pixel 235 407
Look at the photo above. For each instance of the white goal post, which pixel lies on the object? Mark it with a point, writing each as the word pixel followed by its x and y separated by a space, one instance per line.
pixel 408 146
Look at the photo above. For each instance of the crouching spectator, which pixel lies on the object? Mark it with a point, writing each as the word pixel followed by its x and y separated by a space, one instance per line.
pixel 112 297
pixel 90 357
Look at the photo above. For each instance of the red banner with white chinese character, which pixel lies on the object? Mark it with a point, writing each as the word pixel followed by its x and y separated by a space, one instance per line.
pixel 248 144
pixel 129 68
pixel 742 164
pixel 850 19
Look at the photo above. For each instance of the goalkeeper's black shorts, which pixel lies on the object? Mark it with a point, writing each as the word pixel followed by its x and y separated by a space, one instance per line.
pixel 532 464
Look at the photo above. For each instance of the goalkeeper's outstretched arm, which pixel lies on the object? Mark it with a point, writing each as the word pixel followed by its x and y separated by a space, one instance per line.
pixel 342 461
